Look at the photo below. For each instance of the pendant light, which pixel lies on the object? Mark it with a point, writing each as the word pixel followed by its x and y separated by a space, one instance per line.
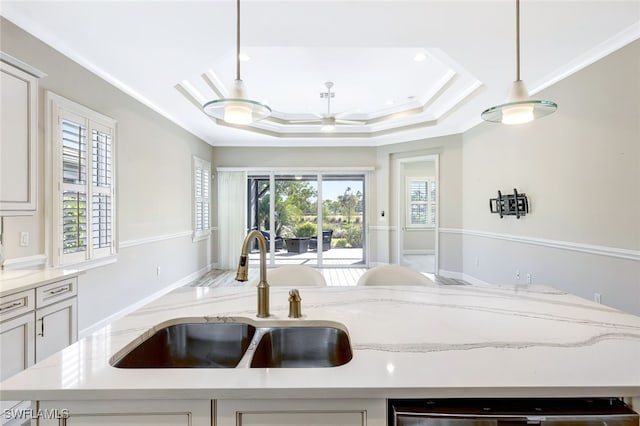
pixel 519 108
pixel 237 108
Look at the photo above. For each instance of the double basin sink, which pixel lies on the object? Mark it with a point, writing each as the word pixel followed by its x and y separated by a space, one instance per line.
pixel 237 343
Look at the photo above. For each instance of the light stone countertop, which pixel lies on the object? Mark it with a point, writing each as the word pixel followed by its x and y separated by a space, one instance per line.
pixel 13 281
pixel 443 341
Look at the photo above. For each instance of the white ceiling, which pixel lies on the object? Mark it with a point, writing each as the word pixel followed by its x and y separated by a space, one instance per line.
pixel 158 51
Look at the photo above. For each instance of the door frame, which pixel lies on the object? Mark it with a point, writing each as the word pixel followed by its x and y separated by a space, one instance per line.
pixel 401 205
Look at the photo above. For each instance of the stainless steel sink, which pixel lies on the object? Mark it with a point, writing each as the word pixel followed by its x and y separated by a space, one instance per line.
pixel 302 347
pixel 186 343
pixel 191 345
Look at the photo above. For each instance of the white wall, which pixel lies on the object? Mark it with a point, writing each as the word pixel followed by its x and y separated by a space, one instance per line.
pixel 153 183
pixel 580 168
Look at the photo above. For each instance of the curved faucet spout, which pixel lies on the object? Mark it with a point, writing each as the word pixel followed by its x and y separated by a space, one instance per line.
pixel 243 270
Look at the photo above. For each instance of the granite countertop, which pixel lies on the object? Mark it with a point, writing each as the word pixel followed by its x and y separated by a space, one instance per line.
pixel 443 341
pixel 13 281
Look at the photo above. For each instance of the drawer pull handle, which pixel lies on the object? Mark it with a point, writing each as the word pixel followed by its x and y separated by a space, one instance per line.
pixel 58 291
pixel 11 306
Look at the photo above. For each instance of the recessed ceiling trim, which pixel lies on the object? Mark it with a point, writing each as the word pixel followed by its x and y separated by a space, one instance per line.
pixel 214 84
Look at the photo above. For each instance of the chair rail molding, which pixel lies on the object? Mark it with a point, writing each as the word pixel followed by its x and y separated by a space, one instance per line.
pixel 558 244
pixel 155 239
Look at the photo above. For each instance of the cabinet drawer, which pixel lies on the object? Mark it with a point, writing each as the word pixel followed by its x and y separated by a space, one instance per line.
pixel 55 292
pixel 16 304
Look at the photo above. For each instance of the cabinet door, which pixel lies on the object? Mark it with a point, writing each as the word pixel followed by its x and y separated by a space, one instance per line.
pixel 56 327
pixel 125 413
pixel 293 412
pixel 16 349
pixel 18 133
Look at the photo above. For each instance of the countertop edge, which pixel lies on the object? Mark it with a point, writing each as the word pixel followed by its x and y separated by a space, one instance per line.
pixel 316 393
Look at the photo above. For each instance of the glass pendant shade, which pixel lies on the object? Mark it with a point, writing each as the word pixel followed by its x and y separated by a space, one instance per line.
pixel 237 109
pixel 519 109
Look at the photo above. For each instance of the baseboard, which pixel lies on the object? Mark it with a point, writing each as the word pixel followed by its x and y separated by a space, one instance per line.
pixel 464 277
pixel 450 274
pixel 418 252
pixel 181 283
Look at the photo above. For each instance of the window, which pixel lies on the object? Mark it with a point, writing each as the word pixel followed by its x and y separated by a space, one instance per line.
pixel 421 202
pixel 82 157
pixel 201 198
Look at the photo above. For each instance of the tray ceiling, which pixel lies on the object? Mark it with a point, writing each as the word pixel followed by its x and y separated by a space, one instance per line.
pixel 405 70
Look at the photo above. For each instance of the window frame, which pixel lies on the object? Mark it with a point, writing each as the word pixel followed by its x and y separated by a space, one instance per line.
pixel 201 231
pixel 431 202
pixel 57 109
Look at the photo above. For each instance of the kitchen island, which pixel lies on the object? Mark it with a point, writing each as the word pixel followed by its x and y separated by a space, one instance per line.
pixel 407 342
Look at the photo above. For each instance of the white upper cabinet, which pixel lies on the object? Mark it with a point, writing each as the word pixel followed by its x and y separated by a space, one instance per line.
pixel 18 136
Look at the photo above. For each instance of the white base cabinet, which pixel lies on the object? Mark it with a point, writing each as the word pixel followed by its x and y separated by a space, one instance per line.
pixel 273 412
pixel 34 324
pixel 124 413
pixel 56 327
pixel 17 340
pixel 320 412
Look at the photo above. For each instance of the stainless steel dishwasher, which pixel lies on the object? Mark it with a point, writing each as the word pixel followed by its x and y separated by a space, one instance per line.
pixel 512 412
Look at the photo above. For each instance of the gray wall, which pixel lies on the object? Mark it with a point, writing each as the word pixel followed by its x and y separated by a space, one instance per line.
pixel 580 169
pixel 154 188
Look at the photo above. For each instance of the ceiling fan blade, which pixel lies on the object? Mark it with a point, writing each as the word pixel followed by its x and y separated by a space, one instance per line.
pixel 305 121
pixel 362 123
pixel 347 112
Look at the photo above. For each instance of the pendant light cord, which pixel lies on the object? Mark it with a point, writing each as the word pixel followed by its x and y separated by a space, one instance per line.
pixel 238 40
pixel 517 40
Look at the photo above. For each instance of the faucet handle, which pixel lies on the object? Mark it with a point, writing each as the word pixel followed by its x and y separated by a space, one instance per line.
pixel 295 308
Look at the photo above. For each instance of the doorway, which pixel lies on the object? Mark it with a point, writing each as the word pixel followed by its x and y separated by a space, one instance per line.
pixel 418 212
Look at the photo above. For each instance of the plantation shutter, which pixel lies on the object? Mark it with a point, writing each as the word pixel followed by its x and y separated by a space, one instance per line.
pixel 202 197
pixel 102 192
pixel 421 207
pixel 84 196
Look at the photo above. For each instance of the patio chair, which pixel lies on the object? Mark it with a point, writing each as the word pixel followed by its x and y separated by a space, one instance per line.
pixel 279 242
pixel 393 275
pixel 326 241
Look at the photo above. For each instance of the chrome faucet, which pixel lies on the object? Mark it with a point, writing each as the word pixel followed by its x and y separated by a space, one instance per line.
pixel 243 270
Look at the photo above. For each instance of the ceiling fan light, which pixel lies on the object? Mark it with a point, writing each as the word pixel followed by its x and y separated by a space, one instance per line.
pixel 328 124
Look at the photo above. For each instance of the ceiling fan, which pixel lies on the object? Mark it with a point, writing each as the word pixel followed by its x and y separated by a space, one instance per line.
pixel 328 122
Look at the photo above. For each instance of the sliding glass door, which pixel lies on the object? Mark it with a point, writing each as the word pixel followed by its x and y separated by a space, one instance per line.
pixel 343 220
pixel 314 219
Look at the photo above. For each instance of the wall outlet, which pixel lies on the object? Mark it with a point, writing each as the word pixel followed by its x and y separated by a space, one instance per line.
pixel 24 239
pixel 157 270
pixel 517 274
pixel 529 278
pixel 597 297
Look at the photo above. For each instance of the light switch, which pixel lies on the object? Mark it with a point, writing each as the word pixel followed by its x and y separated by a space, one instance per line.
pixel 24 239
